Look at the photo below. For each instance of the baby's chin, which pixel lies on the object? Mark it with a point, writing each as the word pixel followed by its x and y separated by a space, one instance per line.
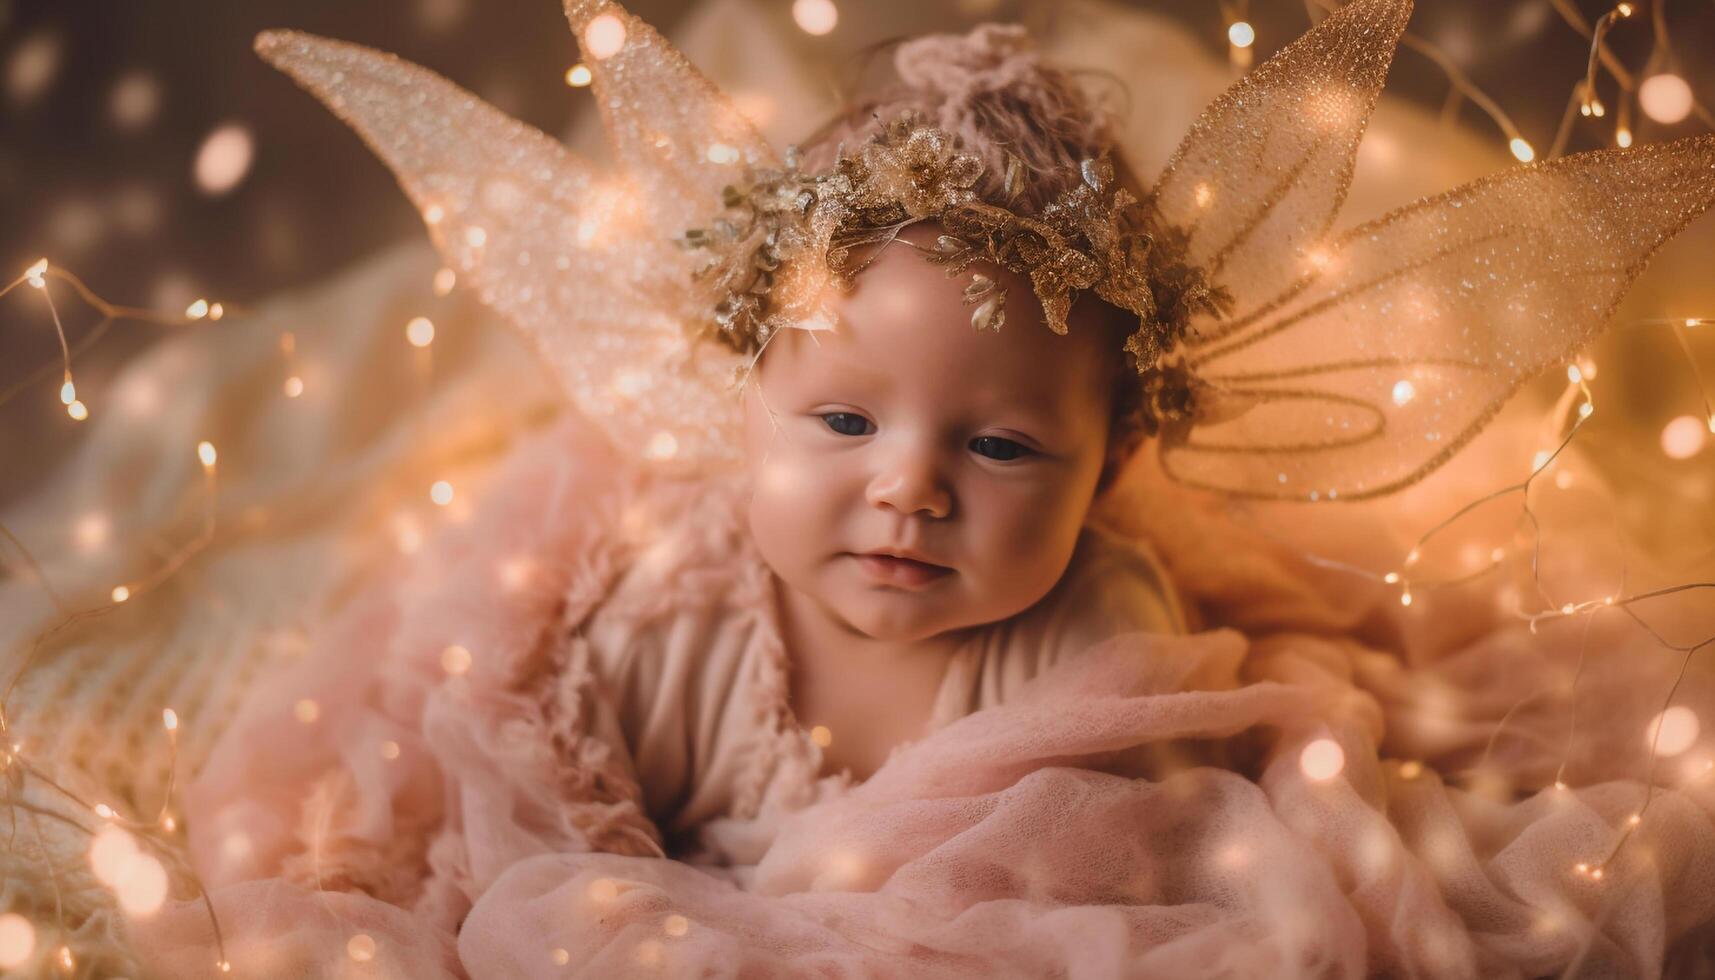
pixel 906 617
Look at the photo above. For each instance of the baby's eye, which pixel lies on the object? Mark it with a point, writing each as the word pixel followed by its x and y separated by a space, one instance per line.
pixel 994 447
pixel 848 423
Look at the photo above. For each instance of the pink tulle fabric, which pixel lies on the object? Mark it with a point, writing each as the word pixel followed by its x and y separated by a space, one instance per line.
pixel 1140 809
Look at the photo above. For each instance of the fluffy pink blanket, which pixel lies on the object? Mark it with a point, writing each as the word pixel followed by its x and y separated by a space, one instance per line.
pixel 1146 809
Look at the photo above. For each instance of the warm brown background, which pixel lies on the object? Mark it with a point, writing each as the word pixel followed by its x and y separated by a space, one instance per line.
pixel 119 206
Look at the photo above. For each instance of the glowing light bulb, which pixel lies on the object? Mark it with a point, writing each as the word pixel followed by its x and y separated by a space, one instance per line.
pixel 420 332
pixel 206 453
pixel 815 17
pixel 441 493
pixel 1403 392
pixel 1624 10
pixel 1665 98
pixel 1522 150
pixel 1405 598
pixel 1322 760
pixel 1204 195
pixel 169 719
pixel 1241 34
pixel 1622 137
pixel 104 811
pixel 68 393
pixel 604 36
pixel 476 236
pixel 197 310
pixel 433 214
pixel 1391 578
pixel 78 411
pixel 293 387
pixel 35 272
pixel 579 75
pixel 121 593
pixel 1574 374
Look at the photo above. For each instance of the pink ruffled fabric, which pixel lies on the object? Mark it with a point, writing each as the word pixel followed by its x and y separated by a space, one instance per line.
pixel 1137 810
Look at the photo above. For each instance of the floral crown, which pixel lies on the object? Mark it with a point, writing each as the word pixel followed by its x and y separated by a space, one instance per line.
pixel 1094 236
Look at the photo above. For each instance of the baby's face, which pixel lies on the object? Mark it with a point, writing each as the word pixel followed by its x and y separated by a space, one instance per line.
pixel 906 430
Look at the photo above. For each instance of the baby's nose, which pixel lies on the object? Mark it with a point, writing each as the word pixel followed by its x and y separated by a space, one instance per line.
pixel 911 484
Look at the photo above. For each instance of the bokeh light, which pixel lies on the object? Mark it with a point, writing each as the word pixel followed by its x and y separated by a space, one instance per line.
pixel 1674 730
pixel 604 36
pixel 816 17
pixel 34 64
pixel 1322 759
pixel 135 101
pixel 1684 437
pixel 1665 98
pixel 17 940
pixel 224 159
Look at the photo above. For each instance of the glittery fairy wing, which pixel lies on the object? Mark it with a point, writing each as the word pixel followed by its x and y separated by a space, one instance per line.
pixel 1259 178
pixel 581 263
pixel 1398 340
pixel 669 127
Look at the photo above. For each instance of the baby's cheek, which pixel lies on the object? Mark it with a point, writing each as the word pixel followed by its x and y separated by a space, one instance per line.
pixel 1028 542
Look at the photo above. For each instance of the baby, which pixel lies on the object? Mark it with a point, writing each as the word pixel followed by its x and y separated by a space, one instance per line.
pixel 908 542
pixel 688 661
pixel 919 483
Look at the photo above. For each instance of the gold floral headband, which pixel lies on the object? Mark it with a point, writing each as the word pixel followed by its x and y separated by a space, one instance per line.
pixel 1094 237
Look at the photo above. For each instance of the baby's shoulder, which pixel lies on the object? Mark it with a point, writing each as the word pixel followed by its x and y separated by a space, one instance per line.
pixel 1112 585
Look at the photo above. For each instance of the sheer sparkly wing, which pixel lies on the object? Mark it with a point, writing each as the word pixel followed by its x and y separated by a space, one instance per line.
pixel 583 264
pixel 1395 348
pixel 1259 178
pixel 1367 359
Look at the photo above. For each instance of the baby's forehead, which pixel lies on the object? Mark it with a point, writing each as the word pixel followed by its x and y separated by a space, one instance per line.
pixel 905 315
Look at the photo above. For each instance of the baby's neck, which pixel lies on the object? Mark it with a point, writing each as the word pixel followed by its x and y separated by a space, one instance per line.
pixel 860 697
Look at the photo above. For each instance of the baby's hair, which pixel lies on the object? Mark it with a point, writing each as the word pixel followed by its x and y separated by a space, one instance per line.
pixel 992 90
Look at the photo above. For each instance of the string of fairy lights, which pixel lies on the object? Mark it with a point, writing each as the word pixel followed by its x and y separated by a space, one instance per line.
pixel 132 856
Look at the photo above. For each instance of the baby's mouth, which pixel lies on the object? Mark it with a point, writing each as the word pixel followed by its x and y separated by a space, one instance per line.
pixel 907 573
